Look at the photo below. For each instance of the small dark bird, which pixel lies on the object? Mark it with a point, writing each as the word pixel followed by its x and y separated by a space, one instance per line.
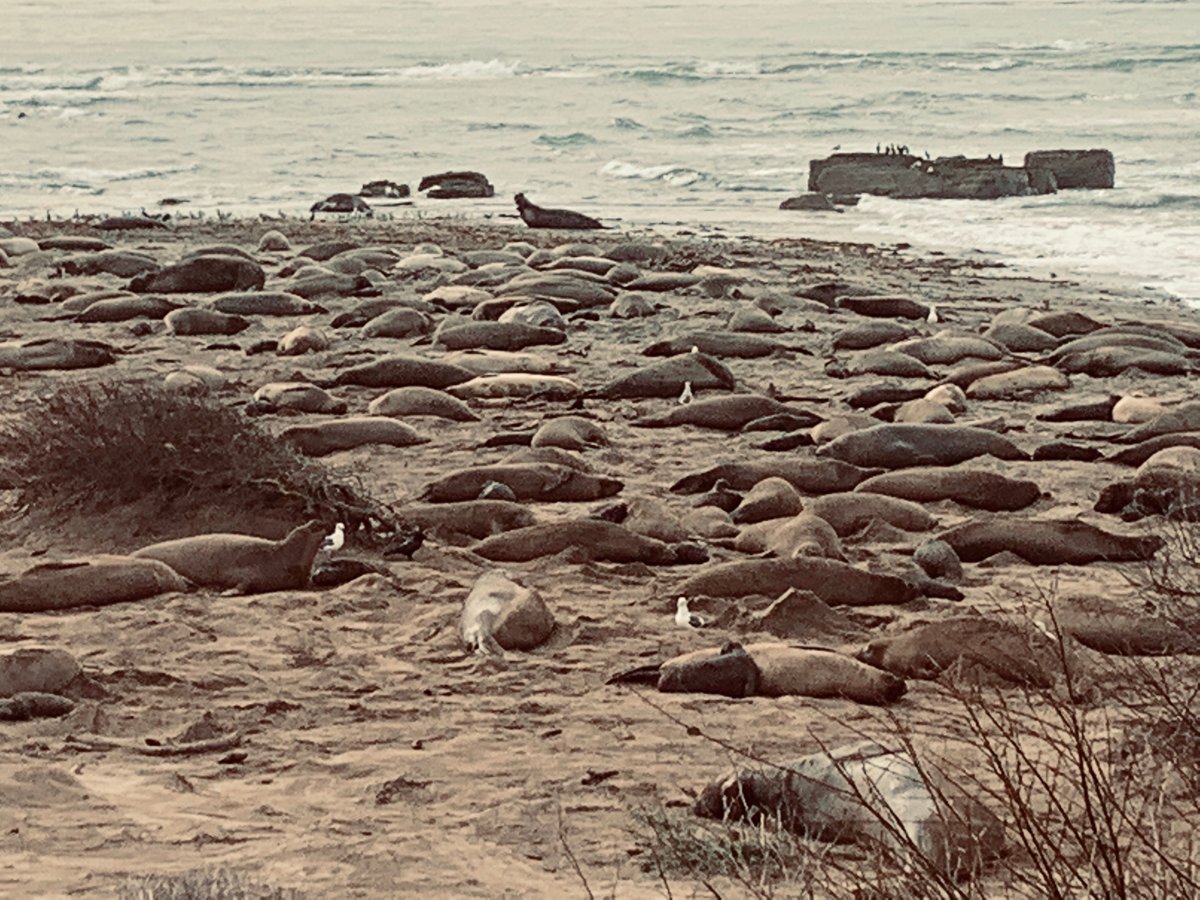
pixel 405 546
pixel 536 217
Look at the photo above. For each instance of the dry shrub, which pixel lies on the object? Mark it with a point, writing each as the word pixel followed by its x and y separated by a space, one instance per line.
pixel 90 447
pixel 222 883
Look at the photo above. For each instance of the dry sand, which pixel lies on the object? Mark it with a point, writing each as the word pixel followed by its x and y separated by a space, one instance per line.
pixel 379 759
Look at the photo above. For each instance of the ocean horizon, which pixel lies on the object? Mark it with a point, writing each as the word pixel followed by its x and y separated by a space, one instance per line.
pixel 673 116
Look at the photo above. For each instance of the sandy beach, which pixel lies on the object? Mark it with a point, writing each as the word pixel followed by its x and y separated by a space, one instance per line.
pixel 379 757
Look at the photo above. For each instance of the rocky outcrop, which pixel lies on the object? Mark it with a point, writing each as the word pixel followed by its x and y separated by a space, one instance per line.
pixel 904 176
pixel 454 185
pixel 810 202
pixel 1074 168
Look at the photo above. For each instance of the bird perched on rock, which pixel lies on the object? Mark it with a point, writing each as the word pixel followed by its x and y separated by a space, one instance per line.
pixel 335 540
pixel 687 618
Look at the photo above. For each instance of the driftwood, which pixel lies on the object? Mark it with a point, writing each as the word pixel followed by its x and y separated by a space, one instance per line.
pixel 95 742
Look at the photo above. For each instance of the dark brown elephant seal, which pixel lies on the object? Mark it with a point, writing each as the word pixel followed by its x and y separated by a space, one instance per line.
pixel 978 645
pixel 596 539
pixel 538 217
pixel 528 481
pixel 726 413
pixel 474 518
pixel 93 581
pixel 667 378
pixel 976 488
pixel 249 565
pixel 902 446
pixel 809 476
pixel 122 263
pixel 866 335
pixel 404 371
pixel 202 275
pixel 346 434
pixel 1047 542
pixel 1139 453
pixel 884 307
pixel 836 583
pixel 37 669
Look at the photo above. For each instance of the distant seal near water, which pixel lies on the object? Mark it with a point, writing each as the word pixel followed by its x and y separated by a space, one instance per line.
pixel 537 217
pixel 247 564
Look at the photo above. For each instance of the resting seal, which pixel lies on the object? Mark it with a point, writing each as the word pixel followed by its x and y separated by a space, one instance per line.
pixel 202 275
pixel 37 669
pixel 249 565
pixel 95 581
pixel 599 540
pixel 1044 542
pixel 528 481
pixel 836 583
pixel 901 446
pixel 500 615
pixel 346 434
pixel 976 488
pixel 536 217
pixel 728 413
pixel 809 476
pixel 474 518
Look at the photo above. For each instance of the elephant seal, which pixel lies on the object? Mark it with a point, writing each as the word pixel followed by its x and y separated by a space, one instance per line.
pixel 304 339
pixel 923 412
pixel 1184 417
pixel 202 275
pixel 1047 542
pixel 727 413
pixel 667 378
pixel 977 645
pixel 809 476
pixel 1136 410
pixel 266 303
pixel 497 336
pixel 870 334
pixel 544 482
pixel 879 361
pixel 404 371
pixel 299 396
pixel 400 322
pixel 73 243
pixel 884 307
pixel 93 581
pixel 738 345
pixel 1018 383
pixel 1107 362
pixel 29 669
pixel 946 348
pixel 729 673
pixel 191 320
pixel 1122 629
pixel 472 518
pixel 346 434
pixel 569 433
pixel 902 446
pixel 599 540
pixel 1166 484
pixel 1139 453
pixel 771 498
pixel 851 512
pixel 869 795
pixel 421 401
pixel 937 559
pixel 976 488
pixel 513 385
pixel 121 263
pixel 249 565
pixel 538 217
pixel 500 615
pixel 123 309
pixel 836 583
pixel 55 353
pixel 804 534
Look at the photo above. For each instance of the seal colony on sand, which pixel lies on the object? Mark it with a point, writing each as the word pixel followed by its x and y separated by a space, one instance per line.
pixel 805 516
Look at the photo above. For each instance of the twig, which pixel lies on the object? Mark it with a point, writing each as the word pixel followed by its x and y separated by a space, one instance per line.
pixel 562 839
pixel 211 745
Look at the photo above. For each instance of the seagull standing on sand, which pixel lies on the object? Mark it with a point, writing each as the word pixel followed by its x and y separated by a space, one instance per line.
pixel 333 542
pixel 932 318
pixel 687 396
pixel 687 618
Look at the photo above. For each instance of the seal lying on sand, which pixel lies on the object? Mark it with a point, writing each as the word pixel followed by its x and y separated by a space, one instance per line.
pixel 536 217
pixel 834 582
pixel 1046 542
pixel 37 669
pixel 599 540
pixel 500 615
pixel 249 565
pixel 95 581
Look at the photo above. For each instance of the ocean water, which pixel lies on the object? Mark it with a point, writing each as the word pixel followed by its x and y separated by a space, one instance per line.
pixel 695 114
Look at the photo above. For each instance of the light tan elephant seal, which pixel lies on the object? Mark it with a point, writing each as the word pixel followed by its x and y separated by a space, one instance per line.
pixel 247 564
pixel 94 581
pixel 500 615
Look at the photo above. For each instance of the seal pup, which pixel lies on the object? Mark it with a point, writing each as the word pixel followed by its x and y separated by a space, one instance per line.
pixel 537 217
pixel 246 564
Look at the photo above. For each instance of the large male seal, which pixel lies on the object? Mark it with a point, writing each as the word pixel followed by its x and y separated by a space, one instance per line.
pixel 1047 542
pixel 249 565
pixel 836 583
pixel 94 581
pixel 900 446
pixel 537 217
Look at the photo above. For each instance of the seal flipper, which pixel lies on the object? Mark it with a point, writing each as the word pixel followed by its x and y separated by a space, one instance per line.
pixel 640 675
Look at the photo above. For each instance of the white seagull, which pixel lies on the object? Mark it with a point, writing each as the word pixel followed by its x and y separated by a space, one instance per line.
pixel 687 396
pixel 333 542
pixel 932 318
pixel 687 618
